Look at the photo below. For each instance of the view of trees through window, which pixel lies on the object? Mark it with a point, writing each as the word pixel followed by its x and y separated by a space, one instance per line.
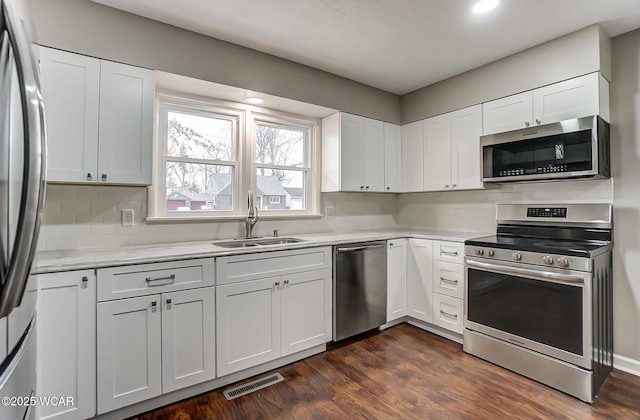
pixel 194 180
pixel 278 151
pixel 201 162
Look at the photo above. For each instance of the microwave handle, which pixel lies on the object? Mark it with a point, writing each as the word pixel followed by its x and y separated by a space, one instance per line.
pixel 524 272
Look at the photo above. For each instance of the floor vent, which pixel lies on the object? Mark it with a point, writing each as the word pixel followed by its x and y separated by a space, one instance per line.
pixel 249 387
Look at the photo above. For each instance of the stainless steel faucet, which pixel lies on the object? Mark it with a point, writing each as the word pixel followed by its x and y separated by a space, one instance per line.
pixel 252 216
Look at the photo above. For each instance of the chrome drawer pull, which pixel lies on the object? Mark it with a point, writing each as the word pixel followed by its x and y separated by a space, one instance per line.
pixel 454 316
pixel 449 281
pixel 454 253
pixel 170 279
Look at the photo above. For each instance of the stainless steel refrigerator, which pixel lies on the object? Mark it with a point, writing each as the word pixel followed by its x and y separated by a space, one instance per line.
pixel 22 160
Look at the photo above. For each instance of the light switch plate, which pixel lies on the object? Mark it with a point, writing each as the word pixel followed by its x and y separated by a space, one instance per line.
pixel 127 217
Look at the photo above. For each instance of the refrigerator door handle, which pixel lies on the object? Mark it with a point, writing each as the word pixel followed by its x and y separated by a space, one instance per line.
pixel 34 166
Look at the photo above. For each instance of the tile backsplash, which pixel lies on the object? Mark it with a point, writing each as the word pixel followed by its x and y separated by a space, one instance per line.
pixel 83 216
pixel 79 216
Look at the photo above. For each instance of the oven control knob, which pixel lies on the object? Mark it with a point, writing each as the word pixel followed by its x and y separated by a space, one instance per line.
pixel 517 256
pixel 479 251
pixel 548 259
pixel 563 262
pixel 491 253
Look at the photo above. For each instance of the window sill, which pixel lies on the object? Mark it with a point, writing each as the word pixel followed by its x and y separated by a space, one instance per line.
pixel 223 219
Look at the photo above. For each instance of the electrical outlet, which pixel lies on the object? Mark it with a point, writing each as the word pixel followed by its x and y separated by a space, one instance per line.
pixel 329 212
pixel 127 217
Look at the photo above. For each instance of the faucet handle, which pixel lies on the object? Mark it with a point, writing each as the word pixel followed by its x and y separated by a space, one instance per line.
pixel 275 232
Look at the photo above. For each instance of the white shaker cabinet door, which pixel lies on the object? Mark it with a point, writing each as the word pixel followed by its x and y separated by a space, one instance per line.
pixel 351 160
pixel 126 124
pixel 412 157
pixel 188 338
pixel 372 151
pixel 67 343
pixel 437 153
pixel 247 324
pixel 573 98
pixel 396 279
pixel 70 86
pixel 129 351
pixel 306 310
pixel 392 158
pixel 510 113
pixel 420 279
pixel 466 129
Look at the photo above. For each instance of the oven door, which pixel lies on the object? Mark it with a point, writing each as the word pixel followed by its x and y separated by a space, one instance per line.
pixel 543 309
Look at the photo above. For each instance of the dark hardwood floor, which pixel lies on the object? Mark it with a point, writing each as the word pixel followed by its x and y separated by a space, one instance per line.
pixel 405 373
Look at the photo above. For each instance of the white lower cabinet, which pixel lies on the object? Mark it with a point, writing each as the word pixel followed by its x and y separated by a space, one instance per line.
pixel 420 279
pixel 396 279
pixel 66 337
pixel 129 352
pixel 159 341
pixel 448 285
pixel 261 318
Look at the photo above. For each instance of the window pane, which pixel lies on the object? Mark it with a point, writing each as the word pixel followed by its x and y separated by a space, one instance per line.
pixel 196 187
pixel 199 137
pixel 280 190
pixel 279 146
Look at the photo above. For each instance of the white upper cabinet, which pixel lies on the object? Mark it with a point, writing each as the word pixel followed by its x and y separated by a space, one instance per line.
pixel 452 150
pixel 437 153
pixel 99 119
pixel 412 157
pixel 71 91
pixel 574 98
pixel 392 158
pixel 126 124
pixel 352 153
pixel 466 129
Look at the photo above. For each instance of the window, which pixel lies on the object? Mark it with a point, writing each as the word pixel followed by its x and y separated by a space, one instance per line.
pixel 198 162
pixel 205 164
pixel 282 164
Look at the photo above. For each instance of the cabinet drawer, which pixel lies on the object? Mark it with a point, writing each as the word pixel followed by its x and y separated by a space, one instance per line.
pixel 447 312
pixel 145 279
pixel 237 268
pixel 448 279
pixel 448 251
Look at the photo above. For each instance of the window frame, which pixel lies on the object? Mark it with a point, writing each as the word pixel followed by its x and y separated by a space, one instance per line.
pixel 243 157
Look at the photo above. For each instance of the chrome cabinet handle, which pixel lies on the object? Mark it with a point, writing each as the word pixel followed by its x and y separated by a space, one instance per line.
pixel 538 121
pixel 277 283
pixel 449 280
pixel 170 279
pixel 168 301
pixel 388 188
pixel 154 304
pixel 453 253
pixel 286 282
pixel 89 176
pixel 85 279
pixel 527 124
pixel 104 177
pixel 454 316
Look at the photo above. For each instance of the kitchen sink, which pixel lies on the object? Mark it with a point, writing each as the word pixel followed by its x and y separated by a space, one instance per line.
pixel 245 243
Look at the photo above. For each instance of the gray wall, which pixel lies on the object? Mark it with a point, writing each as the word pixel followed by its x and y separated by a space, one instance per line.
pixel 572 55
pixel 89 28
pixel 625 149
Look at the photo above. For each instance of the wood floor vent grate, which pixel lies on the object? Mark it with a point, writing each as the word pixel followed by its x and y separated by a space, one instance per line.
pixel 249 387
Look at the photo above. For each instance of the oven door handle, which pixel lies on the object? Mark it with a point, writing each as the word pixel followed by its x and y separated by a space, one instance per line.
pixel 533 274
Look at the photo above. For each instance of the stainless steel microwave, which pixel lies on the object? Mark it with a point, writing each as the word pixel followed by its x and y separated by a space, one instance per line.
pixel 576 148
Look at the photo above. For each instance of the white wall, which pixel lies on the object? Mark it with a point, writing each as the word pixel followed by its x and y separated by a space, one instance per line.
pixel 625 151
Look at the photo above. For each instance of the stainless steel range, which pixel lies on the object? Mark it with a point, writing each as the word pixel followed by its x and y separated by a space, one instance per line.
pixel 539 295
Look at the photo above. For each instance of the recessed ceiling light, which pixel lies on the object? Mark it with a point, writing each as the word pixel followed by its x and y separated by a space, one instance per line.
pixel 255 100
pixel 483 6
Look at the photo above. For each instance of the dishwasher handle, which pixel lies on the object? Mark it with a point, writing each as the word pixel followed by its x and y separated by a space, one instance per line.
pixel 352 248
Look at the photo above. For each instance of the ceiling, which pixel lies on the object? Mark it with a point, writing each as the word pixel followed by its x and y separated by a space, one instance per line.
pixel 394 45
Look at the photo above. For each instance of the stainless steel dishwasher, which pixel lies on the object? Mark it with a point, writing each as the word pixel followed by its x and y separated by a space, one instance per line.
pixel 359 288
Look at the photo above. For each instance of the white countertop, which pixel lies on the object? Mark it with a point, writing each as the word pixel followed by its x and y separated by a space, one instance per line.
pixel 80 259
